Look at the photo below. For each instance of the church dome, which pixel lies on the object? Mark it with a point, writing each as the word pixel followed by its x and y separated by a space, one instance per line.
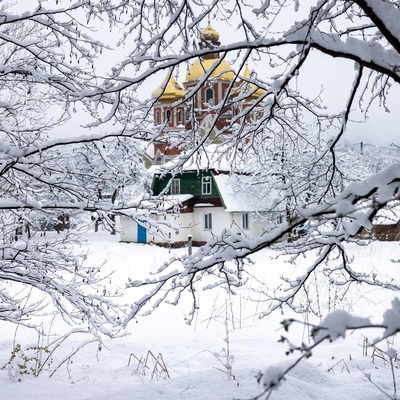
pixel 209 33
pixel 172 92
pixel 248 88
pixel 222 71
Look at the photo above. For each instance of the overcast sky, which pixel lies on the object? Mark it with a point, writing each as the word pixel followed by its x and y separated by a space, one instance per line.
pixel 334 76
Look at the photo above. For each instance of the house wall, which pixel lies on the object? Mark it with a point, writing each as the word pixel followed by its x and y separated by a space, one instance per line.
pixel 257 223
pixel 183 226
pixel 128 230
pixel 220 220
pixel 236 224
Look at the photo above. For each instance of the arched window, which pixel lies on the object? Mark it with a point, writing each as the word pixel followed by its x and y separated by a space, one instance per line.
pixel 210 97
pixel 158 121
pixel 180 116
pixel 168 115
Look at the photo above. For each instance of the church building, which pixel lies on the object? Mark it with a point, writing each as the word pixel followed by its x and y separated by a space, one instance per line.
pixel 207 196
pixel 210 78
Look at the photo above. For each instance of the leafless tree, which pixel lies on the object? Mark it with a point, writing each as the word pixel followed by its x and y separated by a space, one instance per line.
pixel 47 68
pixel 51 58
pixel 285 39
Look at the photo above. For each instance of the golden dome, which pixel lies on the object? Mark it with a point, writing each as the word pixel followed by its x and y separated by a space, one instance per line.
pixel 209 33
pixel 222 71
pixel 172 92
pixel 250 88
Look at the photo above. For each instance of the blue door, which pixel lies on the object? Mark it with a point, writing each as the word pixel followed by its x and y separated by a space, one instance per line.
pixel 141 234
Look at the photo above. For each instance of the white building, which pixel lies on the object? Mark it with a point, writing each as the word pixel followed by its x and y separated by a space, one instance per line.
pixel 201 203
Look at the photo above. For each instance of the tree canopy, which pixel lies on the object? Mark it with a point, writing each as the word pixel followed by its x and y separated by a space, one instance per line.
pixel 52 57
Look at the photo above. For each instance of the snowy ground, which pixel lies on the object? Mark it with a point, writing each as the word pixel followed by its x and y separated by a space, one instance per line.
pixel 192 354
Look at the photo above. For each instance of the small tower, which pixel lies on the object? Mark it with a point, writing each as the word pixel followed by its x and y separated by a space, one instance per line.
pixel 215 88
pixel 250 93
pixel 209 39
pixel 169 114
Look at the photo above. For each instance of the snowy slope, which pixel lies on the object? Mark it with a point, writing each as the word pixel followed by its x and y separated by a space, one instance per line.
pixel 194 355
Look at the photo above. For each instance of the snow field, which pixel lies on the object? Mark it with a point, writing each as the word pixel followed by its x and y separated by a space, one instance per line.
pixel 194 355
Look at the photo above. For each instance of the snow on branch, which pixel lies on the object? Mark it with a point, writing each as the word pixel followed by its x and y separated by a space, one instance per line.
pixel 334 326
pixel 224 257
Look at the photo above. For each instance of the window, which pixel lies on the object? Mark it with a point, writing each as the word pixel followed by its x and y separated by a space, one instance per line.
pixel 208 222
pixel 206 185
pixel 175 187
pixel 245 221
pixel 159 158
pixel 179 116
pixel 158 117
pixel 168 115
pixel 210 97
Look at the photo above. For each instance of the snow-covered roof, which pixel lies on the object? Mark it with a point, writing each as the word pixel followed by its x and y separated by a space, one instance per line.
pixel 170 201
pixel 162 203
pixel 212 157
pixel 180 198
pixel 240 194
pixel 204 205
